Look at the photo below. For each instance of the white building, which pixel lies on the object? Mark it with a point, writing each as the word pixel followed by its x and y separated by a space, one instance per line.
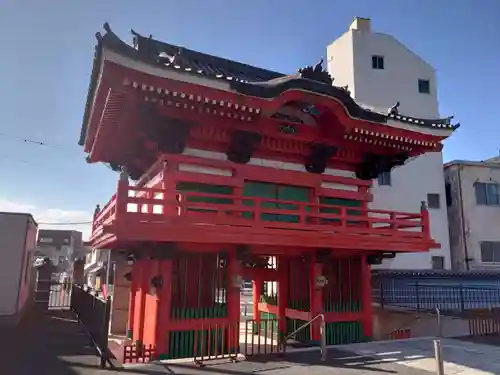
pixel 473 202
pixel 17 245
pixel 95 267
pixel 380 71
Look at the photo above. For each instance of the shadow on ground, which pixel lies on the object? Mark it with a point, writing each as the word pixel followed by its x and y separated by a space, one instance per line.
pixel 338 363
pixel 47 342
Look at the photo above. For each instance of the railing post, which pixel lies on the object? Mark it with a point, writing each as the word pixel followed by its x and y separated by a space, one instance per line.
pixel 462 302
pixel 105 333
pixel 381 287
pixel 392 217
pixel 322 332
pixel 343 217
pixel 121 198
pixel 439 323
pixel 417 294
pixel 438 354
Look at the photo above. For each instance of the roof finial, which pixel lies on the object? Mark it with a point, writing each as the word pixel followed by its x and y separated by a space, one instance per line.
pixel 319 66
pixel 394 110
pixel 316 73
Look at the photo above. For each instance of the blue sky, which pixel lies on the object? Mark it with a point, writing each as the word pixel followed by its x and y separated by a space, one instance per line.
pixel 47 50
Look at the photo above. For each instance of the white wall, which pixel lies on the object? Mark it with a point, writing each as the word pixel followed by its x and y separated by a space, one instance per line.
pixel 12 246
pixel 410 185
pixel 381 89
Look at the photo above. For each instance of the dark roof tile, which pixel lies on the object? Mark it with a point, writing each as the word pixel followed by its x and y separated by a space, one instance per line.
pixel 244 78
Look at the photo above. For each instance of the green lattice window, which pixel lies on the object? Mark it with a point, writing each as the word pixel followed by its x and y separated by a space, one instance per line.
pixel 207 189
pixel 276 192
pixel 336 210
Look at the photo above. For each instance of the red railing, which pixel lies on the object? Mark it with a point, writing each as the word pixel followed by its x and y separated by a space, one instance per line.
pixel 155 205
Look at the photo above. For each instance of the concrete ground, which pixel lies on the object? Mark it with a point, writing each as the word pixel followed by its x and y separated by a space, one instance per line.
pixel 53 343
pixel 339 363
pixel 460 356
pixel 50 343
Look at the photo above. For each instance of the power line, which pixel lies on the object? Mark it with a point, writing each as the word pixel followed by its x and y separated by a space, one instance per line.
pixel 30 141
pixel 67 223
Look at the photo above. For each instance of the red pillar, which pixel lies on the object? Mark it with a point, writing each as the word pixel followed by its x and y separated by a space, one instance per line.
pixel 257 291
pixel 144 286
pixel 366 298
pixel 283 270
pixel 151 306
pixel 165 305
pixel 316 296
pixel 139 271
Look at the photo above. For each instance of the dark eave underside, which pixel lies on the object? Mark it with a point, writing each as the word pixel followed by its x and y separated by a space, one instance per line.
pixel 243 78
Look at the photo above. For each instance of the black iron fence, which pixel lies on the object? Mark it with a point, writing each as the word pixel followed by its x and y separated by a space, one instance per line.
pixel 94 313
pixel 423 296
pixel 91 309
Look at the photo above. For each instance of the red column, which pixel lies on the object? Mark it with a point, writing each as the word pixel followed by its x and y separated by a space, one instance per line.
pixel 152 305
pixel 257 291
pixel 144 286
pixel 366 301
pixel 164 308
pixel 283 270
pixel 139 296
pixel 316 296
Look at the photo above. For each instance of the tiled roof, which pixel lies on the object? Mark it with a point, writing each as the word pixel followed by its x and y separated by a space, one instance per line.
pixel 200 63
pixel 243 78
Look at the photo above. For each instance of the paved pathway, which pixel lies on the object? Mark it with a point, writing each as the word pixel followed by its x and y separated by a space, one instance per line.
pixel 49 343
pixel 460 356
pixel 298 363
pixel 53 343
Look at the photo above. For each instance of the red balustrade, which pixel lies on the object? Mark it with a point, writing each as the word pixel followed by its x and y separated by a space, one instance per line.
pixel 153 205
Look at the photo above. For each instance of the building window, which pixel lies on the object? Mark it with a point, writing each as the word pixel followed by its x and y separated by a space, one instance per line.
pixel 433 200
pixel 449 199
pixel 377 62
pixel 490 252
pixel 384 179
pixel 424 86
pixel 487 193
pixel 437 262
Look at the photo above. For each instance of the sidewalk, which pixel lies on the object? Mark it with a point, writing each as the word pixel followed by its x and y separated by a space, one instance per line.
pixel 47 342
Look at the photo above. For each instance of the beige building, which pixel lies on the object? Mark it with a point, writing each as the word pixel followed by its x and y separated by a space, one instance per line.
pixel 473 202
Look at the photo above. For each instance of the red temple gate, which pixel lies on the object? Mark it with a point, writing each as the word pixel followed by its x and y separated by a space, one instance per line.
pixel 244 174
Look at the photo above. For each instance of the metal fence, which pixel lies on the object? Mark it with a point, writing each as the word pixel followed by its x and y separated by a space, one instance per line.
pixel 422 296
pixel 94 313
pixel 53 295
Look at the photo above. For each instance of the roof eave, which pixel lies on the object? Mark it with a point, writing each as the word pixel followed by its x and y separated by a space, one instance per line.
pixel 264 89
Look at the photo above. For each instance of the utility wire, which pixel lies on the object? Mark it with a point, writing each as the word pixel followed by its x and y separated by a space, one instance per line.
pixel 30 141
pixel 67 223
